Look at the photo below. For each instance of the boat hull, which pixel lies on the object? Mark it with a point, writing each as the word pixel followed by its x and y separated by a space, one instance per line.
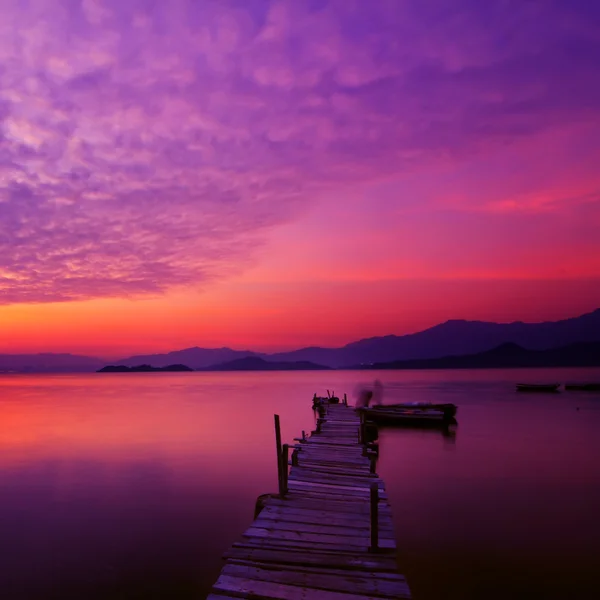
pixel 583 387
pixel 416 415
pixel 531 387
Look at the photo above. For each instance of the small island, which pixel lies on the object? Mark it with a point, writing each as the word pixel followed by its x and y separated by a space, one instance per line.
pixel 142 369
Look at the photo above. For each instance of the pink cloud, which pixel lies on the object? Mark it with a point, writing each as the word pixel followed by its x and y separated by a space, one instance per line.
pixel 146 146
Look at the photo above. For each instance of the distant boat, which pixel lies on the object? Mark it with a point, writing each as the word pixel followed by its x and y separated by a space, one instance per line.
pixel 538 387
pixel 412 413
pixel 584 387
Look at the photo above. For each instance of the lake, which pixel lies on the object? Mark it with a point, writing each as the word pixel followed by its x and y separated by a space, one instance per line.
pixel 127 486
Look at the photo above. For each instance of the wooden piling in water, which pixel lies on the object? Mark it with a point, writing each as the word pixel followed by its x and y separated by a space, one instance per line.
pixel 285 452
pixel 278 449
pixel 374 505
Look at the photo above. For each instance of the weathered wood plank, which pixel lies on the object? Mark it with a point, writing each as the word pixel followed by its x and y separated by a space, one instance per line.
pixel 333 505
pixel 384 588
pixel 351 492
pixel 283 545
pixel 307 466
pixel 372 563
pixel 332 526
pixel 326 517
pixel 340 531
pixel 337 478
pixel 272 590
pixel 325 570
pixel 301 535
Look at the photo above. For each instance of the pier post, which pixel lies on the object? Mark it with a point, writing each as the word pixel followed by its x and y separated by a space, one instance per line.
pixel 278 448
pixel 345 400
pixel 361 430
pixel 284 473
pixel 374 517
pixel 372 459
pixel 295 458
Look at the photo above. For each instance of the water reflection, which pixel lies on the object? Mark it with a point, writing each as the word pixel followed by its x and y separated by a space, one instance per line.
pixel 133 487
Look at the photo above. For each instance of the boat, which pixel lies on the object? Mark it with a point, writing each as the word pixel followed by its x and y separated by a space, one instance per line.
pixel 583 387
pixel 412 413
pixel 538 387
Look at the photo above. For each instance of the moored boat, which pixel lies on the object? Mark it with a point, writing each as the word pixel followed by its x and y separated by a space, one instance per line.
pixel 412 413
pixel 538 387
pixel 583 387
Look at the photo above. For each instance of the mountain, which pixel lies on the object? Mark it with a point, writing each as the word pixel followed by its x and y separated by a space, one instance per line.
pixel 48 363
pixel 450 338
pixel 454 337
pixel 143 369
pixel 582 354
pixel 255 363
pixel 197 358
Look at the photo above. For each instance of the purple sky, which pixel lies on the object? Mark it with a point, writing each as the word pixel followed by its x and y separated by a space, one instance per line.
pixel 156 146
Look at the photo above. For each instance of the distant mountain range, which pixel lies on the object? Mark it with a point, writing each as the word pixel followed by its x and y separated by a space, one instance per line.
pixel 48 363
pixel 449 338
pixel 197 358
pixel 255 363
pixel 143 369
pixel 452 338
pixel 581 354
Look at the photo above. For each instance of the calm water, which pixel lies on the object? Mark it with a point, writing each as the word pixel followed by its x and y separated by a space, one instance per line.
pixel 132 486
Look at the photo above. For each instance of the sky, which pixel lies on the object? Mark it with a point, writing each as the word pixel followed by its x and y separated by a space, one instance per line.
pixel 274 174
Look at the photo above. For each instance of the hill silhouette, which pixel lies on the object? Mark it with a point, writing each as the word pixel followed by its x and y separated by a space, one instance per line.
pixel 255 363
pixel 452 338
pixel 143 369
pixel 48 362
pixel 509 355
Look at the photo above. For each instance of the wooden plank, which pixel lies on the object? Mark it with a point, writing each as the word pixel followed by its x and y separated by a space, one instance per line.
pixel 306 461
pixel 315 488
pixel 345 485
pixel 325 513
pixel 293 520
pixel 272 590
pixel 324 484
pixel 359 574
pixel 321 516
pixel 384 588
pixel 337 478
pixel 372 563
pixel 317 467
pixel 283 545
pixel 338 506
pixel 341 531
pixel 301 535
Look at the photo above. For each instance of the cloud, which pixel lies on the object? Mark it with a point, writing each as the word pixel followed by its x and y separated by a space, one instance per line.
pixel 146 145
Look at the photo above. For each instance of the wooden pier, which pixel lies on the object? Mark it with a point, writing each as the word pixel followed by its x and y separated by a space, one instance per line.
pixel 328 533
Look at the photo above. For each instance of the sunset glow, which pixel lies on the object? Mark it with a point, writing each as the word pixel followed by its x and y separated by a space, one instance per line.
pixel 269 175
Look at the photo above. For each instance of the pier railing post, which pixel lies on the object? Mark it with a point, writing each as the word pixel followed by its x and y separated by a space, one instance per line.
pixel 279 449
pixel 284 474
pixel 374 518
pixel 361 431
pixel 372 459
